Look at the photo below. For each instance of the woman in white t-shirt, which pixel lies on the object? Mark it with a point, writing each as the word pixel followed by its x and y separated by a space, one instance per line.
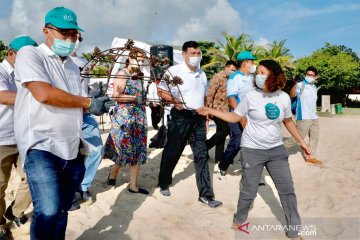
pixel 265 108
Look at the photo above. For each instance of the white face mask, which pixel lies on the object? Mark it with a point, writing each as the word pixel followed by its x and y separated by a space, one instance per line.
pixel 77 46
pixel 229 73
pixel 309 79
pixel 194 61
pixel 252 69
pixel 260 80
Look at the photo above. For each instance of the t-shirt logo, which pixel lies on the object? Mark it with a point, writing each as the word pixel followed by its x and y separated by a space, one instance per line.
pixel 272 111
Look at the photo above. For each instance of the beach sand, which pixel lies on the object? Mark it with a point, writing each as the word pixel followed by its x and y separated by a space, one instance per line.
pixel 327 195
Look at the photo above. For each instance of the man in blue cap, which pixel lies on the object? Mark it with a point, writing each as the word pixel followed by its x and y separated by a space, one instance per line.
pixel 8 150
pixel 48 122
pixel 237 86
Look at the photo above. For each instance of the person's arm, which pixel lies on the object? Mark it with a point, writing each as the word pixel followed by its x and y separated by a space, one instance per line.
pixel 47 94
pixel 119 88
pixel 7 97
pixel 226 116
pixel 293 91
pixel 232 102
pixel 291 127
pixel 169 98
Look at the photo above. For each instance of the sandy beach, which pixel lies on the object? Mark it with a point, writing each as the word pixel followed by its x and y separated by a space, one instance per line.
pixel 328 197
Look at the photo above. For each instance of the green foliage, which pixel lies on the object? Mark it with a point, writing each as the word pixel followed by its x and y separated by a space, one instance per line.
pixel 338 67
pixel 3 51
pixel 100 71
pixel 87 56
pixel 230 49
pixel 206 59
pixel 278 52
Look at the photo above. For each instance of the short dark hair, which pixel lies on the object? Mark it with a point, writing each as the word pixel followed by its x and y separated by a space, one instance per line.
pixel 276 80
pixel 189 44
pixel 230 62
pixel 313 69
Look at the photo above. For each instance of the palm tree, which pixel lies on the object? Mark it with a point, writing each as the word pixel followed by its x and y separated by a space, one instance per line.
pixel 228 51
pixel 278 52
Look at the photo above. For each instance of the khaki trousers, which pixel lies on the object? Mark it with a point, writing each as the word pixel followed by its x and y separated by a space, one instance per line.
pixel 9 156
pixel 310 128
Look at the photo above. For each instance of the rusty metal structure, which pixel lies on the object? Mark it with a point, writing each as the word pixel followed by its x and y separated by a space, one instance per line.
pixel 113 57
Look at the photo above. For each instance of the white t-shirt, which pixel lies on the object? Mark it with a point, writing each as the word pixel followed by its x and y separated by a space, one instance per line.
pixel 7 83
pixel 41 126
pixel 265 113
pixel 306 108
pixel 192 90
pixel 239 84
pixel 152 92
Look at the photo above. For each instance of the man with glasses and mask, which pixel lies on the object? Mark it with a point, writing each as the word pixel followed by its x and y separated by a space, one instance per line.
pixel 307 121
pixel 9 154
pixel 48 122
pixel 186 124
pixel 237 86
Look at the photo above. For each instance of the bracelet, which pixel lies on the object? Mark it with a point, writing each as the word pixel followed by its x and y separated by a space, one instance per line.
pixel 87 106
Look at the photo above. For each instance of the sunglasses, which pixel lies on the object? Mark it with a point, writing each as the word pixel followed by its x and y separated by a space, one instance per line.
pixel 68 33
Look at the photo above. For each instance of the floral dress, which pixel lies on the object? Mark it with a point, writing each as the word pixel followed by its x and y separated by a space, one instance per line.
pixel 127 140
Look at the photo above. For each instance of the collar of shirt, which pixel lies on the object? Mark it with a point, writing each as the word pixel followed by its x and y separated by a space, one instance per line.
pixel 9 69
pixel 241 73
pixel 311 84
pixel 50 53
pixel 197 71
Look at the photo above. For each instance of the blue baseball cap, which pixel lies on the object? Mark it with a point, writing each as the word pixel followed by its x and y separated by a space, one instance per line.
pixel 62 18
pixel 20 42
pixel 245 55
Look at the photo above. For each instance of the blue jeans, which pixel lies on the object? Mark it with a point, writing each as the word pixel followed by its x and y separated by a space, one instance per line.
pixel 91 133
pixel 52 182
pixel 233 146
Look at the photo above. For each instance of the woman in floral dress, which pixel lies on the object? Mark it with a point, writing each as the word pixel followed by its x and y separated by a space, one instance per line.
pixel 127 140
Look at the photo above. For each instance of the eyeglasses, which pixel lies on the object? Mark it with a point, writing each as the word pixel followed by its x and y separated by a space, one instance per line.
pixel 67 33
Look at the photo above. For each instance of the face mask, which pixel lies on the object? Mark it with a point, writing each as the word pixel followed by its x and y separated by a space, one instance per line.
pixel 77 46
pixel 309 79
pixel 252 69
pixel 229 73
pixel 62 48
pixel 194 61
pixel 260 80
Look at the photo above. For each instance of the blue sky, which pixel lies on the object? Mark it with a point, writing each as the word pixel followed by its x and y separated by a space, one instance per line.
pixel 305 24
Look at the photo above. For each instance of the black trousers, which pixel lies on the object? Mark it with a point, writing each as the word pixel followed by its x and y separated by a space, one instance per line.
pixel 156 114
pixel 218 139
pixel 186 125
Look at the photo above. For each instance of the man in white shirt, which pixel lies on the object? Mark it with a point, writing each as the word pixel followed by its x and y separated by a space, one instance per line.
pixel 9 154
pixel 307 121
pixel 186 124
pixel 48 122
pixel 237 86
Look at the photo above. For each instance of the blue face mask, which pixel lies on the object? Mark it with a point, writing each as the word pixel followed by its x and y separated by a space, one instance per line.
pixel 62 48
